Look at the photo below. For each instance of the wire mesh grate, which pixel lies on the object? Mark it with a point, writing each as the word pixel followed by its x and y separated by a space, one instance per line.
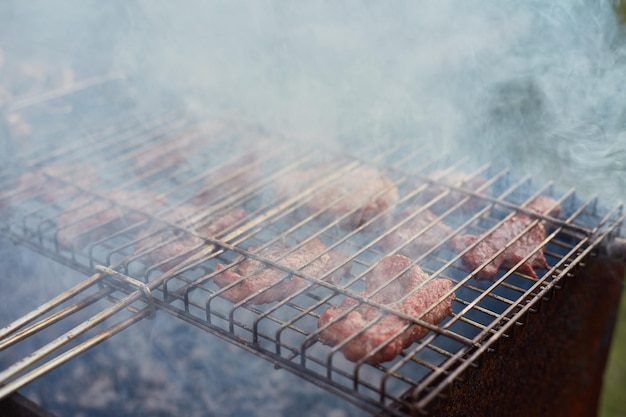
pixel 152 218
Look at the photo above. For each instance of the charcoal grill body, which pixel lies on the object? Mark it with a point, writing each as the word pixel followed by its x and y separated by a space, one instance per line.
pixel 17 405
pixel 553 362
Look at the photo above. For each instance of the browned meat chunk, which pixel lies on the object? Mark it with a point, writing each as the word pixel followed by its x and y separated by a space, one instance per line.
pixel 49 184
pixel 359 194
pixel 254 277
pixel 422 233
pixel 511 232
pixel 165 155
pixel 448 198
pixel 172 152
pixel 162 244
pixel 89 218
pixel 373 329
pixel 227 179
pixel 545 205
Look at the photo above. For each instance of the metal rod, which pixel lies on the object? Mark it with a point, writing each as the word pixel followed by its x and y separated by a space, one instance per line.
pixel 22 103
pixel 14 385
pixel 58 316
pixel 50 305
pixel 67 337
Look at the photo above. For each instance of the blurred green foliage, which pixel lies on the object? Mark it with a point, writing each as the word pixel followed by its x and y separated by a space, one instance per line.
pixel 613 401
pixel 620 11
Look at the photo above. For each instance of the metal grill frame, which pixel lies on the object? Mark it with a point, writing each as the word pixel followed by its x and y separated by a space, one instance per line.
pixel 112 271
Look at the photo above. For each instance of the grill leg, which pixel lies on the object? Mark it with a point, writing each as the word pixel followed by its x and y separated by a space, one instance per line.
pixel 553 365
pixel 16 405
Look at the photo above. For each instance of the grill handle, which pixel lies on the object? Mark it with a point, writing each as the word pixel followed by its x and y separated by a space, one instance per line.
pixel 18 374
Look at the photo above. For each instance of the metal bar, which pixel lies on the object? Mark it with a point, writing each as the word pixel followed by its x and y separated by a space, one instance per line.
pixel 50 305
pixel 40 354
pixel 22 103
pixel 355 398
pixel 481 296
pixel 386 308
pixel 535 294
pixel 48 321
pixel 12 386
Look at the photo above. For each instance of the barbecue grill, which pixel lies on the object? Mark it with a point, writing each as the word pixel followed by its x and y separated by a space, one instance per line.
pixel 517 344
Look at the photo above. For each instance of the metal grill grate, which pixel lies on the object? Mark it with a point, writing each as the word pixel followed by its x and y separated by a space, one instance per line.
pixel 170 161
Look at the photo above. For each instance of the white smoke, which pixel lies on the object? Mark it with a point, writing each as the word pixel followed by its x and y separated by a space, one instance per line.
pixel 536 84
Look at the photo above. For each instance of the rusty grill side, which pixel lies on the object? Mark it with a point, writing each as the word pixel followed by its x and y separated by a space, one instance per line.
pixel 284 332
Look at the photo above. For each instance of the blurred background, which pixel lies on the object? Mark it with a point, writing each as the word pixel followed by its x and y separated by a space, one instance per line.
pixel 613 403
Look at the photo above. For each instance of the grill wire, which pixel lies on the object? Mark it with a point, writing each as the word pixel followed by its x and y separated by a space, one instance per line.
pixel 238 165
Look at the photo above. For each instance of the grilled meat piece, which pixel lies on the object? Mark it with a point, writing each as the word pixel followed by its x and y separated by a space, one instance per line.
pixel 89 218
pixel 408 233
pixel 490 243
pixel 545 205
pixel 165 155
pixel 272 284
pixel 374 329
pixel 172 152
pixel 448 197
pixel 160 243
pixel 228 179
pixel 359 194
pixel 49 184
